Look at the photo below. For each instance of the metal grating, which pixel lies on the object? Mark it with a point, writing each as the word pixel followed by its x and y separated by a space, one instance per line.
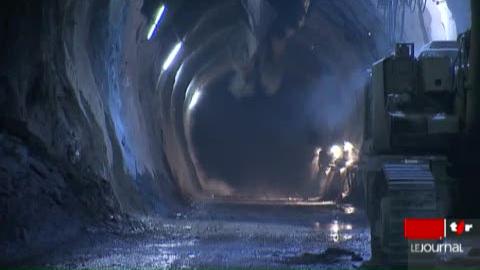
pixel 408 176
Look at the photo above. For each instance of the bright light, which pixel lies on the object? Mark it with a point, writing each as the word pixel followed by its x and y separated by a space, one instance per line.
pixel 447 22
pixel 349 210
pixel 194 100
pixel 158 16
pixel 347 146
pixel 172 56
pixel 335 227
pixel 336 152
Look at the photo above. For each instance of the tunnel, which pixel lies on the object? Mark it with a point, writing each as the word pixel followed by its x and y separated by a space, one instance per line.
pixel 114 114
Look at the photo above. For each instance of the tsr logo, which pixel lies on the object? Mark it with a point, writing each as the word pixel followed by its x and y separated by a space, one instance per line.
pixel 460 227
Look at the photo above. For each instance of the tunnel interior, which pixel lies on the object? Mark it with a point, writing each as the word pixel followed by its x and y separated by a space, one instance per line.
pixel 115 110
pixel 252 101
pixel 252 124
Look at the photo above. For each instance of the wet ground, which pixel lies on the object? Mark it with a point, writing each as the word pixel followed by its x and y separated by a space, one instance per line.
pixel 229 235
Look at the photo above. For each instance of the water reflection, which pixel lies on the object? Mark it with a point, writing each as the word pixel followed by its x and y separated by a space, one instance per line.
pixel 340 231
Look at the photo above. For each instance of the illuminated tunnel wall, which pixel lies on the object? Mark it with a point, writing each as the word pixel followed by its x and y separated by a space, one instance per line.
pixel 254 88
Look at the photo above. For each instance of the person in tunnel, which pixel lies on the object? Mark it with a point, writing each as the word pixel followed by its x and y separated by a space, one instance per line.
pixel 335 172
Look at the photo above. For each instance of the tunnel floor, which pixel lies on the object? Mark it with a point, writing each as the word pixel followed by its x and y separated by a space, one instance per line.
pixel 244 236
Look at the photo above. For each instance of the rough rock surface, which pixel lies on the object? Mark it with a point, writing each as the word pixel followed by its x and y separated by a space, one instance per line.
pixel 44 202
pixel 80 142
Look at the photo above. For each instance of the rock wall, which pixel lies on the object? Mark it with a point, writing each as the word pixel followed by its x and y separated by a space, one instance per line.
pixel 81 140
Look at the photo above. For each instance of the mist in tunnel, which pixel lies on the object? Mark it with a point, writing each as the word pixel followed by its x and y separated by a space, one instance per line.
pixel 292 82
pixel 249 89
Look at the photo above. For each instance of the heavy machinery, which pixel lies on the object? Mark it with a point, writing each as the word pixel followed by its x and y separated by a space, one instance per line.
pixel 414 115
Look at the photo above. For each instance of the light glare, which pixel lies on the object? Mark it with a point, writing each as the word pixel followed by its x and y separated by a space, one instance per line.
pixel 158 16
pixel 336 152
pixel 194 100
pixel 172 56
pixel 347 146
pixel 349 210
